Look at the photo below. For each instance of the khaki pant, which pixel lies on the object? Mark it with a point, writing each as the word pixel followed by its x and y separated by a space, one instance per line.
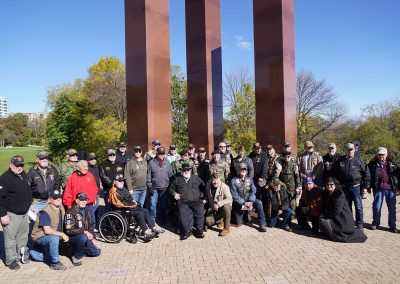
pixel 15 236
pixel 223 213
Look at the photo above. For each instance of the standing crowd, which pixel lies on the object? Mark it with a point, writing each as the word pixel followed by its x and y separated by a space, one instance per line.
pixel 194 191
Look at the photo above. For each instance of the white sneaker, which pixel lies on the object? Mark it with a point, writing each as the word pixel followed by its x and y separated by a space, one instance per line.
pixel 25 255
pixel 158 230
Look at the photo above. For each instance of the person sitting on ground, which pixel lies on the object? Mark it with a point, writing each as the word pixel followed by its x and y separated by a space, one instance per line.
pixel 337 220
pixel 310 205
pixel 78 227
pixel 244 198
pixel 120 197
pixel 48 231
pixel 278 204
pixel 188 191
pixel 219 199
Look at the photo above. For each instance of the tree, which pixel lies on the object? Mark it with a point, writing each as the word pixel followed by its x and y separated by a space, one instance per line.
pixel 317 108
pixel 179 107
pixel 14 130
pixel 240 124
pixel 234 84
pixel 106 88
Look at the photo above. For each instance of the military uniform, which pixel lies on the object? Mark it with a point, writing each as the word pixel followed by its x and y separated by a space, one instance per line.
pixel 227 158
pixel 290 176
pixel 274 168
pixel 177 166
pixel 221 169
pixel 66 170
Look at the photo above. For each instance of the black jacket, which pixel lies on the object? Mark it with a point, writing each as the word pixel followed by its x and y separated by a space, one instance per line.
pixel 329 165
pixel 95 170
pixel 15 193
pixel 273 201
pixel 108 171
pixel 392 169
pixel 42 185
pixel 351 172
pixel 190 191
pixel 74 223
pixel 122 159
pixel 336 208
pixel 260 164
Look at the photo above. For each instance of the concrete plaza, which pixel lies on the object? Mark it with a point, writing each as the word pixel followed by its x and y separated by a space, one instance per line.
pixel 245 256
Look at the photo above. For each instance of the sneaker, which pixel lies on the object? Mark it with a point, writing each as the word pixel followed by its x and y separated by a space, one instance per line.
pixel 394 230
pixel 198 233
pixel 263 228
pixel 158 230
pixel 14 265
pixel 25 255
pixel 287 229
pixel 95 231
pixel 373 227
pixel 76 261
pixel 58 266
pixel 360 227
pixel 221 224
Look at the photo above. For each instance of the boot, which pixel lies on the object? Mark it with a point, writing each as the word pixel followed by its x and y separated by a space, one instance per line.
pixel 223 233
pixel 221 224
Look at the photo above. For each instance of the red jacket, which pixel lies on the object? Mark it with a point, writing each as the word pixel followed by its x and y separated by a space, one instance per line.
pixel 80 183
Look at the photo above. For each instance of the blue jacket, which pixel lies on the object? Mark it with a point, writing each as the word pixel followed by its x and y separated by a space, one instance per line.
pixel 243 190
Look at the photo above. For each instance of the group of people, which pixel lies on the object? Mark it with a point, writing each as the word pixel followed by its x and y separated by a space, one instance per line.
pixel 222 189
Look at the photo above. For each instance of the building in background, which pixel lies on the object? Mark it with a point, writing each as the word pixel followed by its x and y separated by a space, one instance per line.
pixel 3 107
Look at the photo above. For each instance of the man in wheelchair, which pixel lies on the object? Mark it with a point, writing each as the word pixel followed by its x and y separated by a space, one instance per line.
pixel 120 197
pixel 188 191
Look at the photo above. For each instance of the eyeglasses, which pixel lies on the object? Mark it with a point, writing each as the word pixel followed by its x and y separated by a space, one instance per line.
pixel 222 146
pixel 45 158
pixel 110 155
pixel 330 184
pixel 186 170
pixel 138 151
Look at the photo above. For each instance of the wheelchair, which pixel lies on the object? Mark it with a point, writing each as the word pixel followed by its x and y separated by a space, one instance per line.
pixel 119 224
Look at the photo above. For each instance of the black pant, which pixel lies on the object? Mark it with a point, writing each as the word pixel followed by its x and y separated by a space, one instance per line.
pixel 303 214
pixel 143 217
pixel 189 210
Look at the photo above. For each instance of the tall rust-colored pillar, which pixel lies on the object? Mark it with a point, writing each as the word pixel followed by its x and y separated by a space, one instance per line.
pixel 148 96
pixel 275 76
pixel 204 72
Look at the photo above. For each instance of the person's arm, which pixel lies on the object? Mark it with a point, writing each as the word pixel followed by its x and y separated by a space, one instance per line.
pixel 50 231
pixel 284 200
pixel 252 195
pixel 338 204
pixel 3 210
pixel 128 171
pixel 366 177
pixel 68 197
pixel 57 183
pixel 105 180
pixel 264 167
pixel 250 168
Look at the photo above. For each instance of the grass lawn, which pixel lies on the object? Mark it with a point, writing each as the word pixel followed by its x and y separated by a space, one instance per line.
pixel 29 154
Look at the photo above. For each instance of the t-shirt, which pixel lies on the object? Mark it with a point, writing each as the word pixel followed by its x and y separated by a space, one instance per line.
pixel 82 211
pixel 44 220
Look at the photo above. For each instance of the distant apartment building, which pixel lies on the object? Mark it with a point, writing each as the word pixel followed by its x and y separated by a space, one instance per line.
pixel 3 107
pixel 33 115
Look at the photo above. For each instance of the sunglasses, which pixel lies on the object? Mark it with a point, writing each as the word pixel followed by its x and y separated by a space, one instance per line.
pixel 19 166
pixel 330 184
pixel 222 146
pixel 44 158
pixel 111 155
pixel 138 151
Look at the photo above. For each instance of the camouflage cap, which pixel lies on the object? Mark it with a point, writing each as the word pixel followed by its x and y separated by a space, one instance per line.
pixel 42 155
pixel 72 152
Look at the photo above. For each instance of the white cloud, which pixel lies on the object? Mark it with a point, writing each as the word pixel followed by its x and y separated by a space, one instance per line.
pixel 242 42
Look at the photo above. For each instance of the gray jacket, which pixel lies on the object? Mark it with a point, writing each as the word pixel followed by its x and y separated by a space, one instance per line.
pixel 158 176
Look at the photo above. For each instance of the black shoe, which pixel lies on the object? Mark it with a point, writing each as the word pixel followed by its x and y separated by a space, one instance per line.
pixel 199 234
pixel 58 266
pixel 263 228
pixel 287 229
pixel 184 237
pixel 394 230
pixel 14 265
pixel 75 261
pixel 373 227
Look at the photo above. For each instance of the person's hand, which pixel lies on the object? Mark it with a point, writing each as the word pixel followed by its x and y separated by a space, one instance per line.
pixel 5 220
pixel 64 237
pixel 131 191
pixel 89 235
pixel 177 196
pixel 149 185
pixel 280 211
pixel 216 207
pixel 32 208
pixel 204 201
pixel 248 204
pixel 298 190
pixel 364 191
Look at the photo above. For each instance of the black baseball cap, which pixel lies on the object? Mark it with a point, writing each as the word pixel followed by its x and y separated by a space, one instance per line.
pixel 82 196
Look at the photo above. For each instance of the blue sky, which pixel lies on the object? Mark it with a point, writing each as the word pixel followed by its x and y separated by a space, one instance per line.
pixel 354 45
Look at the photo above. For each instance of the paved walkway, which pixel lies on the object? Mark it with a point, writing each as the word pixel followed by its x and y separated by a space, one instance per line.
pixel 245 256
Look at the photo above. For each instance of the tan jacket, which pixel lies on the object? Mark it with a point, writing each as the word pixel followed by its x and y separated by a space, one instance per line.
pixel 38 232
pixel 316 165
pixel 222 195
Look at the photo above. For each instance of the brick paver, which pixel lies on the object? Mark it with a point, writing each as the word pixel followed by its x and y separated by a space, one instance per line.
pixel 245 256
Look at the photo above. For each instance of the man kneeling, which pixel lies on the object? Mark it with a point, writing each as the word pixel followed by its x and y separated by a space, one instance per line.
pixel 219 200
pixel 48 231
pixel 120 197
pixel 78 227
pixel 188 191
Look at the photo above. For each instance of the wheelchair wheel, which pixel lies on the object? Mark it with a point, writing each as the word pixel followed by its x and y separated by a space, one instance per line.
pixel 112 227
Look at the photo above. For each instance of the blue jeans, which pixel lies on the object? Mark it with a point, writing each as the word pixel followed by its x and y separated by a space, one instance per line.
pixel 354 194
pixel 45 249
pixel 287 218
pixel 92 211
pixel 238 213
pixel 390 197
pixel 39 205
pixel 159 205
pixel 81 246
pixel 140 196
